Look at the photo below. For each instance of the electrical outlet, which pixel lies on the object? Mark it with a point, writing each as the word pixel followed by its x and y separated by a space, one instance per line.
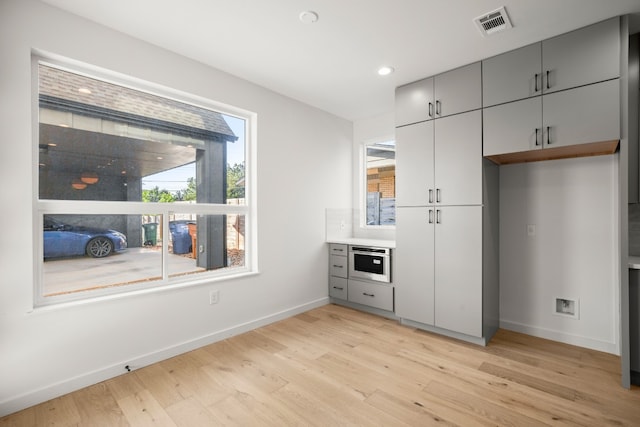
pixel 531 230
pixel 214 297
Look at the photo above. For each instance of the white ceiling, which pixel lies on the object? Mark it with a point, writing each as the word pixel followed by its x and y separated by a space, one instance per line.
pixel 332 64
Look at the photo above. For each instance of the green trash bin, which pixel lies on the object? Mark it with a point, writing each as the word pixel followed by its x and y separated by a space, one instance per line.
pixel 150 234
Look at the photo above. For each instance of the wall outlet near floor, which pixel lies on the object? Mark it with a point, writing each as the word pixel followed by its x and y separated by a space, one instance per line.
pixel 531 230
pixel 567 307
pixel 214 297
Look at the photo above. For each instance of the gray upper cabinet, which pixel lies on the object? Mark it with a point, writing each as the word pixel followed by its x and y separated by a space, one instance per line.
pixel 513 127
pixel 585 56
pixel 414 164
pixel 458 90
pixel 513 75
pixel 415 102
pixel 453 92
pixel 581 57
pixel 582 115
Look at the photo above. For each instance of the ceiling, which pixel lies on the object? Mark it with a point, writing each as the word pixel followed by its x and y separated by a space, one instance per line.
pixel 332 64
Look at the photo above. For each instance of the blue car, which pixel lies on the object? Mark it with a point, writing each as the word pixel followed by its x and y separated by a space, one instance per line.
pixel 63 240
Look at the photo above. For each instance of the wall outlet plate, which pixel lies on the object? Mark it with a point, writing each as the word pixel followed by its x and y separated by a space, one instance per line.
pixel 214 297
pixel 569 307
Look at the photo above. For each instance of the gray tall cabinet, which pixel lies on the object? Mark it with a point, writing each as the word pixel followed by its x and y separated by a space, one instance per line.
pixel 446 272
pixel 555 99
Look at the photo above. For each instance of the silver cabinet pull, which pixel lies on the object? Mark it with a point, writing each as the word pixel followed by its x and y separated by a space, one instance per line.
pixel 338 288
pixel 438 216
pixel 337 266
pixel 430 196
pixel 438 108
pixel 430 216
pixel 430 109
pixel 548 85
pixel 368 295
pixel 537 141
pixel 536 89
pixel 437 195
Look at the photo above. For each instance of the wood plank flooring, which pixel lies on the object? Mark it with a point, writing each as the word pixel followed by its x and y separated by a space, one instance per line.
pixel 334 366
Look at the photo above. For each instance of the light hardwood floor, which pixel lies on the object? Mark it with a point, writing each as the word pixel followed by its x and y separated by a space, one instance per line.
pixel 335 366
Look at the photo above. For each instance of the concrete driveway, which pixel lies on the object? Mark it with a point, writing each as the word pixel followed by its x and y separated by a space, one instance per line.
pixel 136 265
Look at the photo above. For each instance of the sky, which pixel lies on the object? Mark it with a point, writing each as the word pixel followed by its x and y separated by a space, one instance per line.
pixel 176 179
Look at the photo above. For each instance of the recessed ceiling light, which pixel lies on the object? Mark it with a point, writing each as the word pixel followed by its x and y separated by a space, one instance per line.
pixel 385 70
pixel 308 17
pixel 85 90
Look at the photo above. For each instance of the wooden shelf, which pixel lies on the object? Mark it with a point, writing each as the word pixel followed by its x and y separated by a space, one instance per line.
pixel 582 150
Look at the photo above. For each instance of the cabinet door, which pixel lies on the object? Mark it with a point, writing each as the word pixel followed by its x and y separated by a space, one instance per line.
pixel 458 155
pixel 414 270
pixel 414 164
pixel 458 269
pixel 512 76
pixel 584 56
pixel 582 115
pixel 512 127
pixel 458 90
pixel 415 102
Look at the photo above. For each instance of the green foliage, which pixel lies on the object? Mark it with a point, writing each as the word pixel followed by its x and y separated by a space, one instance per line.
pixel 157 195
pixel 235 183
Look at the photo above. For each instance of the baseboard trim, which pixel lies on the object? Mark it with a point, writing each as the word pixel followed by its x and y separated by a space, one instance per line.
pixel 560 336
pixel 52 391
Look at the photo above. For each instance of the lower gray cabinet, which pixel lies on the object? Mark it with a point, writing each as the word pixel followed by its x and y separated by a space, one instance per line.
pixel 372 294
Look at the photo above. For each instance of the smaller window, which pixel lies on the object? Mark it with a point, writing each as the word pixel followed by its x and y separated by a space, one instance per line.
pixel 380 183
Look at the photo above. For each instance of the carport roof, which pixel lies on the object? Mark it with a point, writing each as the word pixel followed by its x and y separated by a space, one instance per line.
pixel 67 91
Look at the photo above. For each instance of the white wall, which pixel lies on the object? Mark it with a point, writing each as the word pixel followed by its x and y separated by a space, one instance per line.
pixel 573 255
pixel 304 159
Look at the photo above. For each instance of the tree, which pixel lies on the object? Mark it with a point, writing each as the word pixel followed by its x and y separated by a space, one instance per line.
pixel 157 195
pixel 235 181
pixel 189 194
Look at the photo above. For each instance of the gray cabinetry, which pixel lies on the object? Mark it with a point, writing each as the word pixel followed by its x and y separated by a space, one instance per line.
pixel 440 161
pixel 458 159
pixel 453 92
pixel 513 75
pixel 458 275
pixel 415 258
pixel 458 90
pixel 414 164
pixel 561 95
pixel 585 56
pixel 583 115
pixel 415 102
pixel 338 270
pixel 588 55
pixel 439 267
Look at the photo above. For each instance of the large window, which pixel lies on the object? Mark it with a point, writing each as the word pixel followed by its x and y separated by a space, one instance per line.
pixel 380 183
pixel 137 188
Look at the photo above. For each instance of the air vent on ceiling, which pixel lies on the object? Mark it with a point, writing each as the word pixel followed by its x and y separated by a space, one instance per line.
pixel 493 22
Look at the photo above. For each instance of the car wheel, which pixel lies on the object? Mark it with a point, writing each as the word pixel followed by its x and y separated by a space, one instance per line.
pixel 99 247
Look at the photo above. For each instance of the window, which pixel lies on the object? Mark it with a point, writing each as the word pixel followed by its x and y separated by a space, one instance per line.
pixel 380 183
pixel 136 189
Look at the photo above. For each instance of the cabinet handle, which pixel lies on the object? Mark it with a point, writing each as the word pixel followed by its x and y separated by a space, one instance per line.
pixel 548 135
pixel 338 288
pixel 438 216
pixel 536 80
pixel 337 266
pixel 548 85
pixel 430 216
pixel 430 109
pixel 430 195
pixel 368 295
pixel 437 195
pixel 438 107
pixel 537 141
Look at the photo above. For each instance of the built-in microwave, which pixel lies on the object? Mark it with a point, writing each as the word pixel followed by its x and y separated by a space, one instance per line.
pixel 370 263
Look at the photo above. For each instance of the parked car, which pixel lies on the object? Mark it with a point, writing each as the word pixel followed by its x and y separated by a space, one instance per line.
pixel 64 240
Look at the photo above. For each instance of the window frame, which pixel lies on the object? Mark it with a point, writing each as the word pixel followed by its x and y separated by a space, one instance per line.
pixel 41 207
pixel 363 183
